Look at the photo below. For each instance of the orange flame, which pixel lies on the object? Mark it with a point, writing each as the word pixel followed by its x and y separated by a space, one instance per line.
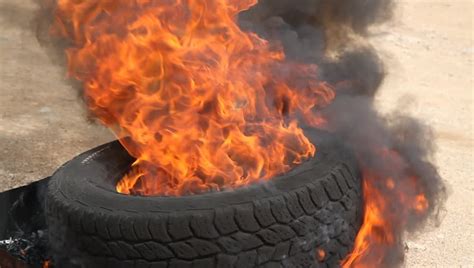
pixel 200 103
pixel 47 264
pixel 389 204
pixel 320 254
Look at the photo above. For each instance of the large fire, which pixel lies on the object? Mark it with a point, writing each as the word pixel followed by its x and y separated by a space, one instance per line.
pixel 199 103
pixel 203 105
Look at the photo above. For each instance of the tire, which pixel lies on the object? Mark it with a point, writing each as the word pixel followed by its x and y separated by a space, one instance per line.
pixel 279 223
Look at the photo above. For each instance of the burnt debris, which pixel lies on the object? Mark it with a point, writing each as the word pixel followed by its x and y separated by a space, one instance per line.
pixel 23 240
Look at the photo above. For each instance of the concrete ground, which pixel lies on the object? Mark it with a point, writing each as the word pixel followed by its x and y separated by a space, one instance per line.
pixel 428 50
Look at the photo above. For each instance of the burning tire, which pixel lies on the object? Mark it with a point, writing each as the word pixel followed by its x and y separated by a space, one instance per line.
pixel 307 217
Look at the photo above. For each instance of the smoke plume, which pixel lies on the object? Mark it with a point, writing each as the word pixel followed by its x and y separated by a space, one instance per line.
pixel 334 35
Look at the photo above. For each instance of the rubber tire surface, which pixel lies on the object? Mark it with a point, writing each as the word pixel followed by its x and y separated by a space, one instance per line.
pixel 279 223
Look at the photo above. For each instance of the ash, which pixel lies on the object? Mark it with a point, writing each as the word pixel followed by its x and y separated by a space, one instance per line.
pixel 29 248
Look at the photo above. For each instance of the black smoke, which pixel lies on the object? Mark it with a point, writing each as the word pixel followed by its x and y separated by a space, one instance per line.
pixel 334 35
